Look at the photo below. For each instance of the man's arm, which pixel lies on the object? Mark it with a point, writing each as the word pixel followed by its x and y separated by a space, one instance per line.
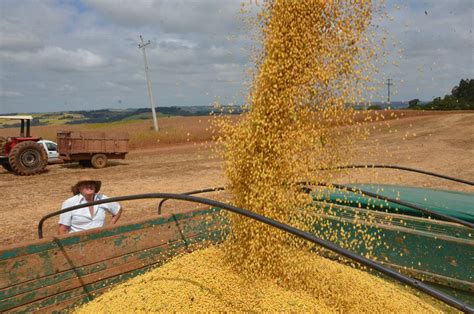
pixel 65 219
pixel 116 217
pixel 62 229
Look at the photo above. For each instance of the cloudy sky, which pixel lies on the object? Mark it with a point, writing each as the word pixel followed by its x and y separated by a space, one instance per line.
pixel 83 54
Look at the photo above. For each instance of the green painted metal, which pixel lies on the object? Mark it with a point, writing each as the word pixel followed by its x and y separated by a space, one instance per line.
pixel 22 294
pixel 45 288
pixel 53 262
pixel 438 252
pixel 88 292
pixel 404 241
pixel 45 245
pixel 455 204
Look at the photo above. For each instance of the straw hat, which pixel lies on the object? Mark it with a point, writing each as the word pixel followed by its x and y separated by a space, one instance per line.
pixel 75 187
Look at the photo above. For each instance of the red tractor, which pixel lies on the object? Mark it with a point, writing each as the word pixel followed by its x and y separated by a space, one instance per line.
pixel 22 155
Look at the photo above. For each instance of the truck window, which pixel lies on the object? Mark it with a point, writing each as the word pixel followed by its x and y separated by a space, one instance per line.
pixel 51 146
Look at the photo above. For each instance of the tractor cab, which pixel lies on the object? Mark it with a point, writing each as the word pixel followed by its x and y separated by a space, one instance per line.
pixel 22 154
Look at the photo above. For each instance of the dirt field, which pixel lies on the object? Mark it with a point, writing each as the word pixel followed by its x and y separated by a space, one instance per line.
pixel 439 142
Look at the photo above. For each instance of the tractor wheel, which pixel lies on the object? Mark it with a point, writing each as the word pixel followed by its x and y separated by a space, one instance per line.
pixel 7 167
pixel 28 158
pixel 99 161
pixel 3 141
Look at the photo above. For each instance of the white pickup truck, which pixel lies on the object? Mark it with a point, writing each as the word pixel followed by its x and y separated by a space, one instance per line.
pixel 51 149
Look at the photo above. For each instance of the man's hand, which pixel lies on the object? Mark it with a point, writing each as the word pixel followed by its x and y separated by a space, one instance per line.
pixel 116 217
pixel 62 229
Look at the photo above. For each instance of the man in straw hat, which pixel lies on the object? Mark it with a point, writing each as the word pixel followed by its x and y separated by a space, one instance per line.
pixel 86 190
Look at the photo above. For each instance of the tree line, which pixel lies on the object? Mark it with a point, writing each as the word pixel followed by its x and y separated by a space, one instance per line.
pixel 461 98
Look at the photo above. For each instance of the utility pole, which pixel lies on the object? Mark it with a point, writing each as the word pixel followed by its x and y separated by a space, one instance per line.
pixel 142 46
pixel 389 83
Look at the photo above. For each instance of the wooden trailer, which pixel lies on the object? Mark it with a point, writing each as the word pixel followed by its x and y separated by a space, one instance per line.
pixel 92 148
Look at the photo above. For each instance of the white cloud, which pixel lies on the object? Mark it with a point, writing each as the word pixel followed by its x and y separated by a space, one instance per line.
pixel 66 88
pixel 218 51
pixel 227 72
pixel 19 41
pixel 116 86
pixel 138 77
pixel 176 43
pixel 7 93
pixel 73 59
pixel 127 12
pixel 57 58
pixel 172 57
pixel 29 24
pixel 173 16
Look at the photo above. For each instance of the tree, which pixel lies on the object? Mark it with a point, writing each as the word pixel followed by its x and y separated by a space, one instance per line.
pixel 461 98
pixel 414 104
pixel 374 107
pixel 464 91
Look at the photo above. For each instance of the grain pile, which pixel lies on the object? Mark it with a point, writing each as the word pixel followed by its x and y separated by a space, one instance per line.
pixel 314 61
pixel 202 281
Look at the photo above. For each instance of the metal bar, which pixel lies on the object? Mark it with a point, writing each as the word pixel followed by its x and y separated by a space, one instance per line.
pixel 442 176
pixel 392 200
pixel 22 128
pixel 28 133
pixel 221 188
pixel 302 234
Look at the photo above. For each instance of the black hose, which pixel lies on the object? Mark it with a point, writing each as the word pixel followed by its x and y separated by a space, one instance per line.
pixel 221 188
pixel 302 234
pixel 392 200
pixel 442 176
pixel 343 187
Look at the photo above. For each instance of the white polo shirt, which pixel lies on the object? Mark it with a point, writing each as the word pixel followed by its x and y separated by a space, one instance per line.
pixel 81 219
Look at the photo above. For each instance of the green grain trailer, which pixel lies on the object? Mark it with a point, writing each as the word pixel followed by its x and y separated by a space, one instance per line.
pixel 57 273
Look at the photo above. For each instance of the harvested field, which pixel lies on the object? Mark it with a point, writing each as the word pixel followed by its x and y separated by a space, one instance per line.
pixel 173 130
pixel 437 141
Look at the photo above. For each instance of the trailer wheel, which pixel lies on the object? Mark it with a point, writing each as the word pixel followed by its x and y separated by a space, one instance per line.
pixel 99 161
pixel 28 158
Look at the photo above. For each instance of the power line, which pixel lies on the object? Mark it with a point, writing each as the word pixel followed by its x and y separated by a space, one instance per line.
pixel 142 46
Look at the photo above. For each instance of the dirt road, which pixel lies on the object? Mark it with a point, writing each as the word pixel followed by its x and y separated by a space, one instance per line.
pixel 441 143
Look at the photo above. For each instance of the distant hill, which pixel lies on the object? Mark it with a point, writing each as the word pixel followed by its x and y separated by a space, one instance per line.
pixel 384 105
pixel 113 115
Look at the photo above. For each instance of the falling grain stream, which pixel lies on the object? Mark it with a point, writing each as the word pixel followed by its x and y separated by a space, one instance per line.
pixel 314 60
